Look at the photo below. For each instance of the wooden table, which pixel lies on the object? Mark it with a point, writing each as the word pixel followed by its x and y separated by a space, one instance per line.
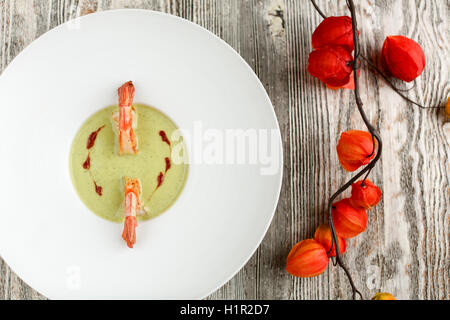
pixel 405 249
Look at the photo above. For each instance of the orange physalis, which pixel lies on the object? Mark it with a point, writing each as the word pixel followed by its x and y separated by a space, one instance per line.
pixel 348 221
pixel 308 258
pixel 323 235
pixel 355 149
pixel 365 194
pixel 334 30
pixel 403 58
pixel 332 64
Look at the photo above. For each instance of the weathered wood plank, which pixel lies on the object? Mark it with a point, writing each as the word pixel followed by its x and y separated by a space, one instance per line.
pixel 405 249
pixel 393 255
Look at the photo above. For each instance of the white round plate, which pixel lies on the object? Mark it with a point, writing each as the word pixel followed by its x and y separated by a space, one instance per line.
pixel 47 235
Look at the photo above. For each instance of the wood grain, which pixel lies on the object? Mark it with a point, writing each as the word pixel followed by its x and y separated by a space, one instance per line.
pixel 405 249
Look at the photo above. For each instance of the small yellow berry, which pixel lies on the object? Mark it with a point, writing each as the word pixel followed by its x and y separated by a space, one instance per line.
pixel 383 296
pixel 447 109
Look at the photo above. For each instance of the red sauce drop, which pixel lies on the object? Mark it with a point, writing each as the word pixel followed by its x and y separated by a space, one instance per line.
pixel 168 164
pixel 98 189
pixel 164 137
pixel 92 137
pixel 160 179
pixel 87 163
